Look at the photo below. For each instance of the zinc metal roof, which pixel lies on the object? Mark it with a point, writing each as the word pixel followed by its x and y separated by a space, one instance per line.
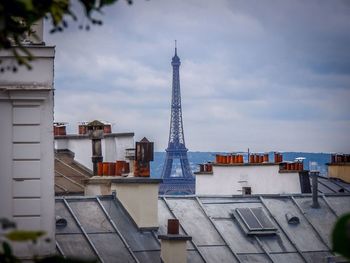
pixel 69 175
pixel 99 227
pixel 329 185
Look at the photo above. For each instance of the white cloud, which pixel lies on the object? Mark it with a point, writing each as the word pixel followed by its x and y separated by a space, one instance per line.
pixel 269 76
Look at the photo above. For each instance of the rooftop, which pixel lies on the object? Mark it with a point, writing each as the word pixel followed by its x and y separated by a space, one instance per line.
pixel 102 229
pixel 69 174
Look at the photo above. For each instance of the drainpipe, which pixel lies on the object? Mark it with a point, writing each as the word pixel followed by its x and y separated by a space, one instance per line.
pixel 314 176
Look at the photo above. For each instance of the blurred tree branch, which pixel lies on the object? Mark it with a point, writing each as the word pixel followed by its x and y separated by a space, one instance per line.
pixel 18 16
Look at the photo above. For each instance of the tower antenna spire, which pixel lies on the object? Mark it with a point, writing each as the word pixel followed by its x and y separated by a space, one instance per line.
pixel 175 48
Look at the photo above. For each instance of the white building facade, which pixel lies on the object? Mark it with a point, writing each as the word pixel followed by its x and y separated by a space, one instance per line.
pixel 247 179
pixel 26 143
pixel 114 147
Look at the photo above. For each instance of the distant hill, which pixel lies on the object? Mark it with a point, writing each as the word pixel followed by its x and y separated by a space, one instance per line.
pixel 196 158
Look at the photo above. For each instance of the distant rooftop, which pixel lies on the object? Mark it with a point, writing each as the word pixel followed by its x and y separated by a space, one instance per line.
pixel 84 136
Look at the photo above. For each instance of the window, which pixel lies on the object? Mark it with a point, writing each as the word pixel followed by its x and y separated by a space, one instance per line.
pixel 254 221
pixel 246 190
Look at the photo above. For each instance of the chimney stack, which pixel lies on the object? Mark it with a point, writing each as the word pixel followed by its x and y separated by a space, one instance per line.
pixel 59 128
pixel 143 157
pixel 173 245
pixel 314 176
pixel 139 197
pixel 95 129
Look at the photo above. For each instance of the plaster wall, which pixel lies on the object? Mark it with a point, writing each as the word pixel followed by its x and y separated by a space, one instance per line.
pixel 113 148
pixel 141 202
pixel 97 189
pixel 263 179
pixel 61 144
pixel 123 143
pixel 26 143
pixel 109 150
pixel 340 171
pixel 41 74
pixel 82 149
pixel 173 251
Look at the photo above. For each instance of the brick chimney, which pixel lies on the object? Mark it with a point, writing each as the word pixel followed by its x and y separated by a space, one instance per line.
pixel 173 245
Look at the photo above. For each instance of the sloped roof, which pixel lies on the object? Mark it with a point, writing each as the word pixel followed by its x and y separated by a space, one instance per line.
pixel 69 174
pixel 99 227
pixel 329 185
pixel 95 123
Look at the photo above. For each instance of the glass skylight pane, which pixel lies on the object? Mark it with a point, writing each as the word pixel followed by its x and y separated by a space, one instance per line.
pixel 249 219
pixel 263 219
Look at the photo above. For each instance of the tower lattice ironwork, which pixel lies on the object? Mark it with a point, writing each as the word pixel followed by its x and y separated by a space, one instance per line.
pixel 172 183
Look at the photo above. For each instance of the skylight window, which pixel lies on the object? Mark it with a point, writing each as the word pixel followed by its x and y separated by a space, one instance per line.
pixel 254 221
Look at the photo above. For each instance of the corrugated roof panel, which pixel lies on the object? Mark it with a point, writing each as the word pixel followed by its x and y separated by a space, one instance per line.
pixel 330 184
pixel 194 221
pixel 236 238
pixel 322 219
pixel 75 245
pixel 339 204
pixel 317 257
pixel 163 215
pixel 111 248
pixel 287 258
pixel 224 210
pixel 302 234
pixel 343 185
pixel 217 254
pixel 90 216
pixel 324 189
pixel 194 257
pixel 71 226
pixel 253 258
pixel 197 224
pixel 148 256
pixel 136 239
pixel 277 243
pixel 66 184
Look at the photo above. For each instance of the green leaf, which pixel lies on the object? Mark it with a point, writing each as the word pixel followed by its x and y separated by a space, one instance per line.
pixel 21 235
pixel 341 236
pixel 28 4
pixel 7 249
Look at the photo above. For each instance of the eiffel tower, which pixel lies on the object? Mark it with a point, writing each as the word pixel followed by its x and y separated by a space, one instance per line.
pixel 174 183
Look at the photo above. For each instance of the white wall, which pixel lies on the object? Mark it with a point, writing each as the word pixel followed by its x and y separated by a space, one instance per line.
pixel 263 179
pixel 82 150
pixel 113 147
pixel 109 150
pixel 26 143
pixel 121 143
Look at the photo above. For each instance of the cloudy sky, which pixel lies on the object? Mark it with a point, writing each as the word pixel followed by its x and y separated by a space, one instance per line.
pixel 268 75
